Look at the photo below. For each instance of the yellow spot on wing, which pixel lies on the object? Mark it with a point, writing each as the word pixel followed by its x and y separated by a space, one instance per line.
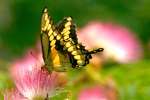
pixel 67 24
pixel 69 18
pixel 65 30
pixel 70 49
pixel 68 44
pixel 78 57
pixel 50 32
pixel 75 52
pixel 66 33
pixel 49 27
pixel 58 37
pixel 52 42
pixel 54 33
pixel 51 37
pixel 45 10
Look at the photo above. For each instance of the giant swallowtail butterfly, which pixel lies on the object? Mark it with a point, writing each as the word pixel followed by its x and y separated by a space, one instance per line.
pixel 63 40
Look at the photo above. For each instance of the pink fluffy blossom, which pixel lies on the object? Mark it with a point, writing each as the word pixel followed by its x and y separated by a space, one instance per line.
pixel 31 80
pixel 119 43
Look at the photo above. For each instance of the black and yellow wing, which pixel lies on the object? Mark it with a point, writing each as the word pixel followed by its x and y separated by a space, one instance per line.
pixel 69 40
pixel 53 59
pixel 67 29
pixel 77 53
pixel 46 31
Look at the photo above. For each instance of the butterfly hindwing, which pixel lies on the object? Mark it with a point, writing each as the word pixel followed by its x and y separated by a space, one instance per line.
pixel 67 28
pixel 70 42
pixel 77 53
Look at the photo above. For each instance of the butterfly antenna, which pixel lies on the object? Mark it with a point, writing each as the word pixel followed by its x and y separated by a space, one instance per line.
pixel 96 51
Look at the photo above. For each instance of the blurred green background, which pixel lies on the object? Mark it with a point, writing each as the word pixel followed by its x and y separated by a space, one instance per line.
pixel 20 29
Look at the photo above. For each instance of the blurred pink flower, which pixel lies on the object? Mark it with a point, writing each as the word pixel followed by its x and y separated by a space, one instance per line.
pixel 33 81
pixel 98 92
pixel 118 42
pixel 92 93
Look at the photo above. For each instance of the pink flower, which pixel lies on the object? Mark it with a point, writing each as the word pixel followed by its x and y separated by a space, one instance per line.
pixel 97 93
pixel 32 80
pixel 118 42
pixel 92 93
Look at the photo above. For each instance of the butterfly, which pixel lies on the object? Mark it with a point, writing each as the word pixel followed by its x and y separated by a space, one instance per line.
pixel 62 38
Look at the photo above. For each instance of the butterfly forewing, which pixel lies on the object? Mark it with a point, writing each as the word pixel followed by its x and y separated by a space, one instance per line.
pixel 47 30
pixel 44 36
pixel 54 59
